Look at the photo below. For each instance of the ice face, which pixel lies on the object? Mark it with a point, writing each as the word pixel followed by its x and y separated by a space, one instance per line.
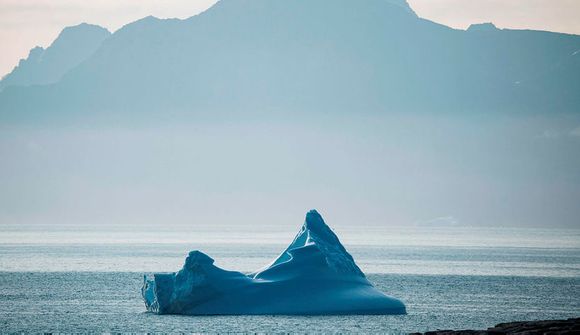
pixel 314 275
pixel 314 239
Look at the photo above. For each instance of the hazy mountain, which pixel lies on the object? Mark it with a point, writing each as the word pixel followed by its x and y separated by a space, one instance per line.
pixel 305 56
pixel 72 46
pixel 257 109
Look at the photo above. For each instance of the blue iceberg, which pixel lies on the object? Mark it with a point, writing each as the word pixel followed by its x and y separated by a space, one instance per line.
pixel 315 275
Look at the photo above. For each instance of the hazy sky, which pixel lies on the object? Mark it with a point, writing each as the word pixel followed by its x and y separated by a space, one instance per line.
pixel 27 23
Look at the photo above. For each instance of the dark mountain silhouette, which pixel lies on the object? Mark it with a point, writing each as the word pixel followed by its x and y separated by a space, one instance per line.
pixel 72 46
pixel 324 56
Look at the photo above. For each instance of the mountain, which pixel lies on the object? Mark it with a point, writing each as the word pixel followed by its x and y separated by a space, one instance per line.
pixel 315 275
pixel 264 107
pixel 262 57
pixel 46 66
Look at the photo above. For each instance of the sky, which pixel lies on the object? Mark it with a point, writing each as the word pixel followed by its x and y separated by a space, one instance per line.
pixel 25 24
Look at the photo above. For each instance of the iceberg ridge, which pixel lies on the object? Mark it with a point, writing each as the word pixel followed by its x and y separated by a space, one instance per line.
pixel 314 275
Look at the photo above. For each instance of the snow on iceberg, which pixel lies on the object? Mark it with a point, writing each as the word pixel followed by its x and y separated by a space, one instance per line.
pixel 314 275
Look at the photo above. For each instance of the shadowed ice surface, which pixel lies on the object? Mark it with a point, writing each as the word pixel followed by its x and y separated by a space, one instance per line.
pixel 315 275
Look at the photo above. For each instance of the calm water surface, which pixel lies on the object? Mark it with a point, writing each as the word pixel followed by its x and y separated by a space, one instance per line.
pixel 66 279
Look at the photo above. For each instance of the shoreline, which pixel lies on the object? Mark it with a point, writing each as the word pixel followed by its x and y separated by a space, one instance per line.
pixel 560 327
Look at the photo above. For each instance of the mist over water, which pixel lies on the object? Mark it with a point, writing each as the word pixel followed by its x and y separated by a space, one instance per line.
pixel 367 170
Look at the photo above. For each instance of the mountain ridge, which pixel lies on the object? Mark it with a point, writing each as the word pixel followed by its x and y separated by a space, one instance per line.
pixel 334 56
pixel 73 45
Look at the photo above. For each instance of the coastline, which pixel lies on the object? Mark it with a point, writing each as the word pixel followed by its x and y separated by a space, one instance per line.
pixel 569 326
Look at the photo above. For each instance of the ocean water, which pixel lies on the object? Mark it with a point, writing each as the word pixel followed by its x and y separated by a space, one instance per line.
pixel 88 279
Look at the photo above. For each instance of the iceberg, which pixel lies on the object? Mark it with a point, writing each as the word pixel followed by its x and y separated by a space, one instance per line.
pixel 315 275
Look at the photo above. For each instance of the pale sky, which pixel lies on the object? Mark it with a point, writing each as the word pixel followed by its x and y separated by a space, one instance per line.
pixel 28 23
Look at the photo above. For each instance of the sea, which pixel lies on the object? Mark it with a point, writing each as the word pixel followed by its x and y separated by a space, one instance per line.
pixel 77 278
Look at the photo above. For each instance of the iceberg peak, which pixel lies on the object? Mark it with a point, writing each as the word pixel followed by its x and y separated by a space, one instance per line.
pixel 314 219
pixel 337 258
pixel 197 258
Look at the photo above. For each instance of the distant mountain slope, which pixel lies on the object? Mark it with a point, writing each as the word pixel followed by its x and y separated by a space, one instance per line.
pixel 73 45
pixel 277 56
